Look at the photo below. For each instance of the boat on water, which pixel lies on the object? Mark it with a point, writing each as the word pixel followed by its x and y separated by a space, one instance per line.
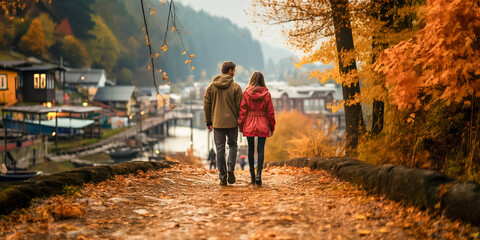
pixel 124 154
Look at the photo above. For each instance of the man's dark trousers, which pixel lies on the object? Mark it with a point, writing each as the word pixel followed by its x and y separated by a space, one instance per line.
pixel 220 135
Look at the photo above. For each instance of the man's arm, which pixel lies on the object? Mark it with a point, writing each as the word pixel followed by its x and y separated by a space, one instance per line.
pixel 207 107
pixel 238 100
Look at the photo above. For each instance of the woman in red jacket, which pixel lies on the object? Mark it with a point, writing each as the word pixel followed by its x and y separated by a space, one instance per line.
pixel 257 119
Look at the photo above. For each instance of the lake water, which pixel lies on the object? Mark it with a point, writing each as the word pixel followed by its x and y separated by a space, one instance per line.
pixel 179 141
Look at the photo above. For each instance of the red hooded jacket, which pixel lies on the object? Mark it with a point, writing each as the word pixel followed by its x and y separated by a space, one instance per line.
pixel 257 118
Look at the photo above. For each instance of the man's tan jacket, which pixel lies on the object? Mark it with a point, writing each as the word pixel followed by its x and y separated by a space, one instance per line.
pixel 221 102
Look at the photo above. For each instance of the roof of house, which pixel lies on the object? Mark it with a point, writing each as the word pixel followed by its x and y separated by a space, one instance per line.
pixel 12 63
pixel 40 68
pixel 302 92
pixel 92 76
pixel 114 94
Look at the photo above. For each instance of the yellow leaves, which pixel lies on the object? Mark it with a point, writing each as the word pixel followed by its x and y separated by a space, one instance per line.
pixel 192 55
pixel 336 105
pixel 411 118
pixel 383 230
pixel 185 52
pixel 152 12
pixel 157 55
pixel 164 48
pixel 164 76
pixel 361 217
pixel 364 232
pixel 188 61
pixel 192 67
pixel 163 2
pixel 149 67
pixel 173 29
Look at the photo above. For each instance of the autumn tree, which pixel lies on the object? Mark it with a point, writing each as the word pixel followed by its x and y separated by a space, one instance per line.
pixel 307 24
pixel 63 29
pixel 74 52
pixel 33 42
pixel 104 47
pixel 439 65
pixel 48 28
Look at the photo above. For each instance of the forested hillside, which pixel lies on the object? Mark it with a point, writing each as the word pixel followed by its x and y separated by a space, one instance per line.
pixel 108 34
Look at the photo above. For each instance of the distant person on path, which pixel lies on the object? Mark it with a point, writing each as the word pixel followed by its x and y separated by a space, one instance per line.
pixel 242 162
pixel 212 159
pixel 221 104
pixel 257 119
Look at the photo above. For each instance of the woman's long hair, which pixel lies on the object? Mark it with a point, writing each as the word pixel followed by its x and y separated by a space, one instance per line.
pixel 257 80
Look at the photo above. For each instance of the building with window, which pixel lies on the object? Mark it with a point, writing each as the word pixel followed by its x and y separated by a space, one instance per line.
pixel 85 80
pixel 310 100
pixel 28 81
pixel 36 83
pixel 120 99
pixel 8 86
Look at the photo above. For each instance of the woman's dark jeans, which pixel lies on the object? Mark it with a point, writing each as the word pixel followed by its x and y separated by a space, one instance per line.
pixel 251 154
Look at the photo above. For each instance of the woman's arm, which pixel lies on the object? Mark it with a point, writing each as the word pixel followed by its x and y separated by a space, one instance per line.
pixel 270 113
pixel 243 112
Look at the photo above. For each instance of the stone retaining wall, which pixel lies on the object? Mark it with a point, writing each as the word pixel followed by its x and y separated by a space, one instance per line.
pixel 20 194
pixel 423 188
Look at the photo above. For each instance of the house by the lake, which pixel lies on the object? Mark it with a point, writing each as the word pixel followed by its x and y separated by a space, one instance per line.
pixel 120 99
pixel 85 80
pixel 30 81
pixel 8 85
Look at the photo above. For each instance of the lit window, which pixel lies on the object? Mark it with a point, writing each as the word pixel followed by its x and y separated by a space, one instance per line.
pixel 3 82
pixel 39 80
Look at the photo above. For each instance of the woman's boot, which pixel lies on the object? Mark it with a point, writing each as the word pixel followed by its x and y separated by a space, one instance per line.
pixel 252 174
pixel 258 179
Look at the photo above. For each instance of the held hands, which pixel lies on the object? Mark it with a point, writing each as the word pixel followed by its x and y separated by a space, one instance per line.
pixel 210 128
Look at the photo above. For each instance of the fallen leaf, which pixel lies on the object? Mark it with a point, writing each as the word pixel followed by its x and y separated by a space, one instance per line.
pixel 364 232
pixel 383 230
pixel 65 212
pixel 361 217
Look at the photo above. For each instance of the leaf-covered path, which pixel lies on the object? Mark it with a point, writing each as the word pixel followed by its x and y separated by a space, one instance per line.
pixel 185 202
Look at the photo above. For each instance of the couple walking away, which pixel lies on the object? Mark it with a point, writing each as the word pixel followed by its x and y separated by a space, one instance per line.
pixel 227 111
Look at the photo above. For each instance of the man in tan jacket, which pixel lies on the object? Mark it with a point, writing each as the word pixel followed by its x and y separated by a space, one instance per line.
pixel 221 104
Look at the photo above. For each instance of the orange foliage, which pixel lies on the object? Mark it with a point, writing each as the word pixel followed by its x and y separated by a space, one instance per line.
pixel 441 61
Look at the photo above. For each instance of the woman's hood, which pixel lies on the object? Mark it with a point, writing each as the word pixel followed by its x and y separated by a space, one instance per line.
pixel 258 94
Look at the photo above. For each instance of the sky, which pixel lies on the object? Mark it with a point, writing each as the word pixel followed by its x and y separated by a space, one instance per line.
pixel 234 10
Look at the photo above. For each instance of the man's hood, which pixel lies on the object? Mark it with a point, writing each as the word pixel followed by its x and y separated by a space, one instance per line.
pixel 258 94
pixel 222 81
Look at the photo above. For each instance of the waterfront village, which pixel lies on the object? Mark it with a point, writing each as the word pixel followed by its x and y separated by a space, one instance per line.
pixel 55 118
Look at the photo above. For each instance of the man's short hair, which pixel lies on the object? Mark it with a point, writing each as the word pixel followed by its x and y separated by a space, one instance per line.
pixel 226 66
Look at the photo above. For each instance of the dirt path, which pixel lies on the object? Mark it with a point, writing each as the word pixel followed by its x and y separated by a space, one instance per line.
pixel 188 203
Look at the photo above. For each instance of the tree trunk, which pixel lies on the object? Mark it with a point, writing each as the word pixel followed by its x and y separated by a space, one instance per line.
pixel 344 42
pixel 377 116
pixel 380 10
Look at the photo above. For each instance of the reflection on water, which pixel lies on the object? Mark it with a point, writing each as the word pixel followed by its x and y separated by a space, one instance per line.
pixel 179 141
